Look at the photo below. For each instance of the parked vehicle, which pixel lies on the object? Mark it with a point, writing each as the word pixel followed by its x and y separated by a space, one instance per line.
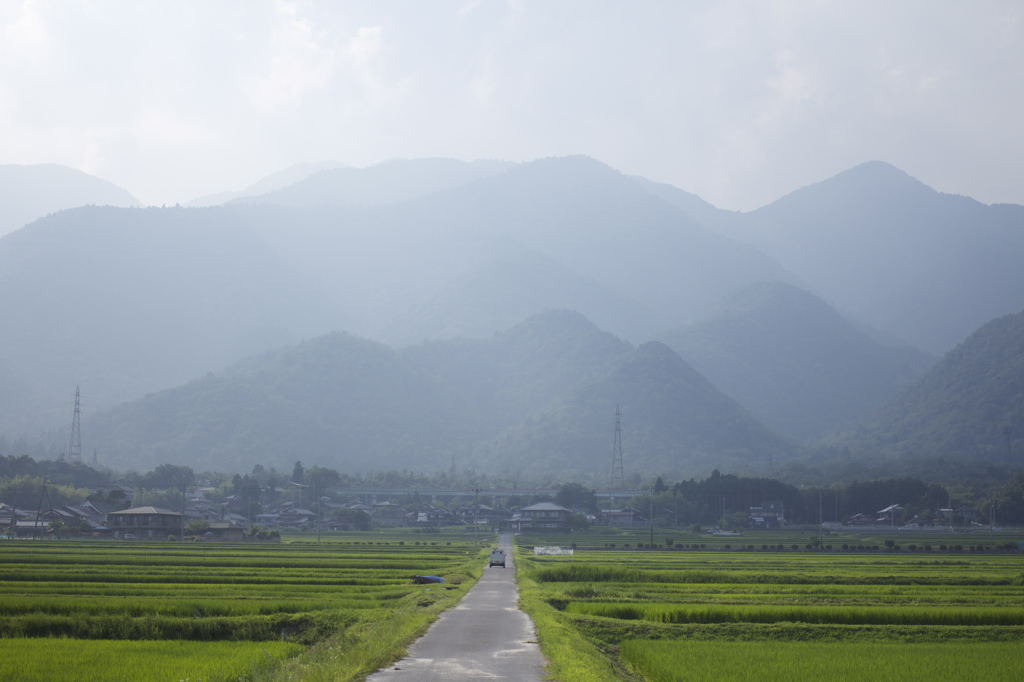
pixel 497 558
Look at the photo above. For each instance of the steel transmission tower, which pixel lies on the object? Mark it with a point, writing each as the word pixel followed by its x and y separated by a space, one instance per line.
pixel 1008 432
pixel 75 446
pixel 618 478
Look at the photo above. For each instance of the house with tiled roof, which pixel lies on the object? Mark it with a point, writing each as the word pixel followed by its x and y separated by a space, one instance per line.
pixel 145 523
pixel 547 517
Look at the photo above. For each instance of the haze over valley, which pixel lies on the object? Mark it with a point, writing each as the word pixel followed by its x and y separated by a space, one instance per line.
pixel 494 315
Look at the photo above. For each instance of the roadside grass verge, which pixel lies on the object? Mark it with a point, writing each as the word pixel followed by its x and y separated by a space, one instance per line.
pixel 571 656
pixel 378 639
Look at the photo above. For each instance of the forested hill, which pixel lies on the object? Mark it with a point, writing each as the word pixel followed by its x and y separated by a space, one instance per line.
pixel 962 406
pixel 793 361
pixel 551 384
pixel 674 421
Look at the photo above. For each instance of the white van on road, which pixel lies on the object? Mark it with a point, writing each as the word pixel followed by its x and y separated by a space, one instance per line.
pixel 497 558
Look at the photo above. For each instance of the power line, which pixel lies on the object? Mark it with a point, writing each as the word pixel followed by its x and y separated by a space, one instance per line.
pixel 75 447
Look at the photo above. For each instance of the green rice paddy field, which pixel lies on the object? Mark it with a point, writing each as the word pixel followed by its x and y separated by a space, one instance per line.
pixel 90 610
pixel 761 610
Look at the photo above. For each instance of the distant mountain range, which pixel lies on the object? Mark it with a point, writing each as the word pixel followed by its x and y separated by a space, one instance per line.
pixel 31 192
pixel 384 183
pixel 794 361
pixel 794 319
pixel 890 251
pixel 538 398
pixel 271 183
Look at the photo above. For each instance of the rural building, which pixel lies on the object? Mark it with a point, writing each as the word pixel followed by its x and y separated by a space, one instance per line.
pixel 145 523
pixel 519 523
pixel 767 515
pixel 224 531
pixel 547 517
pixel 387 514
pixel 432 517
pixel 889 514
pixel 627 517
pixel 295 517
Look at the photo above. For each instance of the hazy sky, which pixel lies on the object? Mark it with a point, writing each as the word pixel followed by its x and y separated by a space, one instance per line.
pixel 739 102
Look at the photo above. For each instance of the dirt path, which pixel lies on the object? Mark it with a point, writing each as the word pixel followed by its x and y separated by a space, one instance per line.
pixel 485 637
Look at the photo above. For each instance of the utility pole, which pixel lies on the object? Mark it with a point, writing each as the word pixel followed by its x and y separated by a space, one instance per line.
pixel 821 523
pixel 39 509
pixel 618 477
pixel 183 484
pixel 651 546
pixel 1006 458
pixel 992 524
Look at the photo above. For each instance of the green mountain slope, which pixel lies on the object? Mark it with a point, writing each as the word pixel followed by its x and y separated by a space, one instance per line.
pixel 523 369
pixel 338 400
pixel 674 423
pixel 962 406
pixel 355 404
pixel 793 361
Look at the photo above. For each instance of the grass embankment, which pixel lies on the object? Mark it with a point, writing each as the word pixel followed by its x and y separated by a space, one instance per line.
pixel 345 607
pixel 626 614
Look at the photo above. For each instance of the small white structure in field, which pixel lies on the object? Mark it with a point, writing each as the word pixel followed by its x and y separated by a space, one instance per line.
pixel 553 551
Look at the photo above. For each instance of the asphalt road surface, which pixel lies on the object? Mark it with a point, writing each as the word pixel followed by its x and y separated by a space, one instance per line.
pixel 485 637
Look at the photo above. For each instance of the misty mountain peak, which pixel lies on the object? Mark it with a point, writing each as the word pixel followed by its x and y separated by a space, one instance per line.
pixel 870 187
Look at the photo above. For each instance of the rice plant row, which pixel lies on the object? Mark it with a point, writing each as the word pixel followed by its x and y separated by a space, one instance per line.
pixel 677 661
pixel 45 660
pixel 833 615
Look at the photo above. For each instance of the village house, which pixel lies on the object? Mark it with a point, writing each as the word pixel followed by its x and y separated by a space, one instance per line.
pixel 547 517
pixel 432 517
pixel 890 514
pixel 145 523
pixel 224 531
pixel 627 517
pixel 388 514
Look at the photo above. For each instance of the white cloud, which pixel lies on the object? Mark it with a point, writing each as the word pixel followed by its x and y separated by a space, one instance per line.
pixel 24 36
pixel 366 45
pixel 301 59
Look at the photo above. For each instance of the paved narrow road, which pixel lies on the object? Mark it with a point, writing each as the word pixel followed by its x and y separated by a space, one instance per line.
pixel 485 637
